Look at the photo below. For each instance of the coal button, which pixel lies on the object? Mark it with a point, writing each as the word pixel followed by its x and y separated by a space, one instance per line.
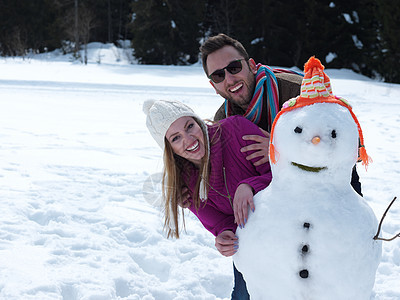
pixel 303 273
pixel 305 249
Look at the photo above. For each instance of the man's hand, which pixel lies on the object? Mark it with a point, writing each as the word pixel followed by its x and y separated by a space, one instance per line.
pixel 262 145
pixel 242 200
pixel 227 243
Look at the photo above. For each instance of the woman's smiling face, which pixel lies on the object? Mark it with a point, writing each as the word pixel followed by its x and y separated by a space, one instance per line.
pixel 187 139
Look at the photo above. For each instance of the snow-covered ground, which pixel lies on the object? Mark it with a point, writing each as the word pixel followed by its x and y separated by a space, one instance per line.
pixel 76 157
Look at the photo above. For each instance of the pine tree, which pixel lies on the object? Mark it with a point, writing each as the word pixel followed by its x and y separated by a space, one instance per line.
pixel 389 38
pixel 166 32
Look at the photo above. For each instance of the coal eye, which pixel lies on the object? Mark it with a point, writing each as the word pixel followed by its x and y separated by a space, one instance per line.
pixel 298 130
pixel 333 134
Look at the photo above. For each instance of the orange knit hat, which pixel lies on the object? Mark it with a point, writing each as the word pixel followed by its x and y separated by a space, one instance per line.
pixel 316 88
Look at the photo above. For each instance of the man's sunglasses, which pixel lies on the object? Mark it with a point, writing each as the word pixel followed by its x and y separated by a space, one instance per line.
pixel 234 67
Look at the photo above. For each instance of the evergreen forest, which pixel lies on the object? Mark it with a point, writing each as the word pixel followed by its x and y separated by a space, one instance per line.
pixel 362 35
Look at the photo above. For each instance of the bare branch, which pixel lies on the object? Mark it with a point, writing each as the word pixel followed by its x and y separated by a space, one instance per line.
pixel 376 237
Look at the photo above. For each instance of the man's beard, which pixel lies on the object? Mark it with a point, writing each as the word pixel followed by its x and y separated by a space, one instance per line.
pixel 244 100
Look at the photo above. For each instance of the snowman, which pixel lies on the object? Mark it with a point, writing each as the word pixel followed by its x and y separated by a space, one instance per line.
pixel 311 235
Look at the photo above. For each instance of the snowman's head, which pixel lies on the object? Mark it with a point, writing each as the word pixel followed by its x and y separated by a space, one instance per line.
pixel 316 140
pixel 316 135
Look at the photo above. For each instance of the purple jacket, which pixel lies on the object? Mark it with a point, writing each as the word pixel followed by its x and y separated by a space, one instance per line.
pixel 227 162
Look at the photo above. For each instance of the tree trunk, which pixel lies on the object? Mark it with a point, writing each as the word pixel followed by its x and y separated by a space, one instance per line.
pixel 76 30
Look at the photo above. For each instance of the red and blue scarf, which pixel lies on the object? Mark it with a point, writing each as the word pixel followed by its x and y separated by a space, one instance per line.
pixel 266 82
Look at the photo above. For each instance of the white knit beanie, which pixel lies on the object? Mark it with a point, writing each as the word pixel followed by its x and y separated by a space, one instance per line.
pixel 161 114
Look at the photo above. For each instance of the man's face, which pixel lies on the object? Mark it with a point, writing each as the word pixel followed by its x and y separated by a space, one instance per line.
pixel 237 88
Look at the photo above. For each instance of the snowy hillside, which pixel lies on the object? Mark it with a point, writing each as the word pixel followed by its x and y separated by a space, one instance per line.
pixel 75 154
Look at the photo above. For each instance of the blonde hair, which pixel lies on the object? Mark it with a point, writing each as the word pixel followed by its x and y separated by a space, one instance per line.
pixel 173 183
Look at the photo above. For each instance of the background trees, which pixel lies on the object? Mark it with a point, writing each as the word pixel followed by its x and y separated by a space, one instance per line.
pixel 28 25
pixel 388 54
pixel 166 32
pixel 362 36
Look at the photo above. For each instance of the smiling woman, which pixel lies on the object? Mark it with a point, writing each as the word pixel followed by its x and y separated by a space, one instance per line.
pixel 205 171
pixel 186 139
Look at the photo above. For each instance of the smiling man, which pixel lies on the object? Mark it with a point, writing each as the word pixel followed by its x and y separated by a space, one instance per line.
pixel 249 89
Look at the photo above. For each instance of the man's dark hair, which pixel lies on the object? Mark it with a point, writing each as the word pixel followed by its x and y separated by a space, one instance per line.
pixel 217 42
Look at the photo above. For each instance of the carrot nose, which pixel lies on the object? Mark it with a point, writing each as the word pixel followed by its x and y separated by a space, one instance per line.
pixel 316 140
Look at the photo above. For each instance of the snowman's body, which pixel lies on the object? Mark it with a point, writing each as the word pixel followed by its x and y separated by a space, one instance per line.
pixel 311 235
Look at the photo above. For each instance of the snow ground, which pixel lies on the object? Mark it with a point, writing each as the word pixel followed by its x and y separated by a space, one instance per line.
pixel 74 157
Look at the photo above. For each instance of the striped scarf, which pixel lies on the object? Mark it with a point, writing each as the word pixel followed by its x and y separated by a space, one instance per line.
pixel 266 82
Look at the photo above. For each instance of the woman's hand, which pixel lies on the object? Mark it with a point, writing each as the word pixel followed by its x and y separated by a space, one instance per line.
pixel 183 200
pixel 243 198
pixel 226 243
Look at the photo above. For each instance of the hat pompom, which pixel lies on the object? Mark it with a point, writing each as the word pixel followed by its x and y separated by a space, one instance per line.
pixel 313 63
pixel 147 105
